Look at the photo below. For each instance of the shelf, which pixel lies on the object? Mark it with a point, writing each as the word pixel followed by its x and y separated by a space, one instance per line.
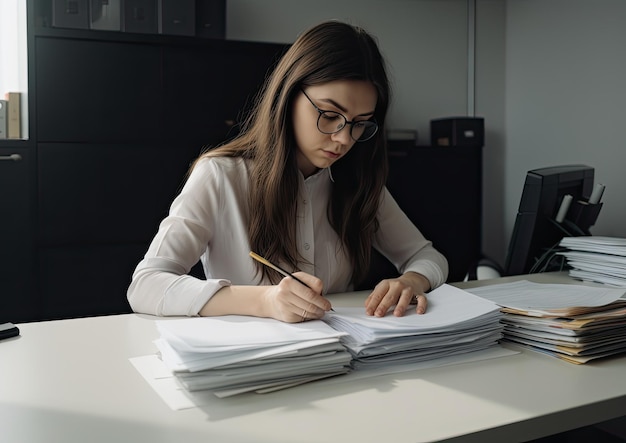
pixel 14 49
pixel 16 144
pixel 209 21
pixel 119 36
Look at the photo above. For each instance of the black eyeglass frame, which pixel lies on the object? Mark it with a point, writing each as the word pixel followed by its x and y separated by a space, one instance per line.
pixel 347 122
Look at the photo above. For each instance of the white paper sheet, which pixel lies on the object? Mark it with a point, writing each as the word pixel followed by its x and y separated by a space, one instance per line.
pixel 177 398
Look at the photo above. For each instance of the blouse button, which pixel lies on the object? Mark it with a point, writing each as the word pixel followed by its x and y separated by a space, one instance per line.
pixel 307 246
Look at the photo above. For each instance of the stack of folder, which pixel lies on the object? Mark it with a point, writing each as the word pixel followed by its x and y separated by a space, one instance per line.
pixel 575 323
pixel 235 354
pixel 456 323
pixel 598 259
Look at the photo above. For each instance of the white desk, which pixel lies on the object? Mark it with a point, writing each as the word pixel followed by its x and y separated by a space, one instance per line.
pixel 71 381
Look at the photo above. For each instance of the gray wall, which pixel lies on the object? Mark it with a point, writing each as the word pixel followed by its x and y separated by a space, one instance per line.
pixel 424 42
pixel 490 104
pixel 566 96
pixel 548 81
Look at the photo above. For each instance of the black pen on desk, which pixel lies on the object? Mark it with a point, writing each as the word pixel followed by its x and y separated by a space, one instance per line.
pixel 278 269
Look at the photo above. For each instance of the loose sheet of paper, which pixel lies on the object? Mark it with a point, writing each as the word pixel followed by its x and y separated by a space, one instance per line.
pixel 526 295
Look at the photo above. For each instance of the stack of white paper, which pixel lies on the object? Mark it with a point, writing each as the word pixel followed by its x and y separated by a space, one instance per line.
pixel 572 322
pixel 235 354
pixel 456 322
pixel 598 259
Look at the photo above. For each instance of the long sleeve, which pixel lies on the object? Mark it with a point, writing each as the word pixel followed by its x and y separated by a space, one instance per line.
pixel 405 246
pixel 209 220
pixel 208 212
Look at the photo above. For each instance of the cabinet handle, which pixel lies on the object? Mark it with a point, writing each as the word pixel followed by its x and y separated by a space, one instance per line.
pixel 14 157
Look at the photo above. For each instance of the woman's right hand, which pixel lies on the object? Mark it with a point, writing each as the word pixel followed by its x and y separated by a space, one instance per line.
pixel 292 302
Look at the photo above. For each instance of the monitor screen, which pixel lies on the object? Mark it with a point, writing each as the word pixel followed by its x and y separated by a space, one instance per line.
pixel 536 233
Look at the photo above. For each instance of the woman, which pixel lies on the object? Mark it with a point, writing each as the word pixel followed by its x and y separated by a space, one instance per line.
pixel 302 185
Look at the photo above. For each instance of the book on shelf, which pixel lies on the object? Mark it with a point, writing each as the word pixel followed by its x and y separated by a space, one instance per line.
pixel 3 119
pixel 14 115
pixel 105 15
pixel 139 16
pixel 70 14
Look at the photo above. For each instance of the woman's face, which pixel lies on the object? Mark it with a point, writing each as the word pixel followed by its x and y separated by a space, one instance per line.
pixel 354 99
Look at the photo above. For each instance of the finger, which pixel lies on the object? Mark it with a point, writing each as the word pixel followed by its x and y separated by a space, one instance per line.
pixel 375 297
pixel 302 307
pixel 290 304
pixel 297 314
pixel 310 281
pixel 422 303
pixel 312 313
pixel 300 295
pixel 294 315
pixel 382 298
pixel 388 301
pixel 403 303
pixel 311 290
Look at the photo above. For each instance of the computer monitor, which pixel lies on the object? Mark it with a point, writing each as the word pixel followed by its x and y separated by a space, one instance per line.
pixel 543 218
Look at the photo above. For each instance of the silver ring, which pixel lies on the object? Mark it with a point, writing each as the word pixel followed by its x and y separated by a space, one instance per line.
pixel 416 297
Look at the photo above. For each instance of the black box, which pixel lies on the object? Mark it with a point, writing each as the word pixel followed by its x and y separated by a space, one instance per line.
pixel 177 17
pixel 140 16
pixel 457 131
pixel 105 15
pixel 211 19
pixel 70 14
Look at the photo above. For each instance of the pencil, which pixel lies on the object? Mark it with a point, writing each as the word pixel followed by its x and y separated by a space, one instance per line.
pixel 276 268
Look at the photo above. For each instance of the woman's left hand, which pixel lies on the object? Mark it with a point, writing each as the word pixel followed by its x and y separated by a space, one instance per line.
pixel 409 288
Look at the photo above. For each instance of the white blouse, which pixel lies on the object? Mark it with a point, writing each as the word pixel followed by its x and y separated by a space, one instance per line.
pixel 208 220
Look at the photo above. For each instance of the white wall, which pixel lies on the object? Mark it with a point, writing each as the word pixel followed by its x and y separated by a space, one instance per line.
pixel 548 81
pixel 426 46
pixel 424 42
pixel 566 97
pixel 490 104
pixel 566 101
pixel 13 54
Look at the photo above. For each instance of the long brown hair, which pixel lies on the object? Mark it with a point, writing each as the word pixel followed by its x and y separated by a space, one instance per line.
pixel 329 51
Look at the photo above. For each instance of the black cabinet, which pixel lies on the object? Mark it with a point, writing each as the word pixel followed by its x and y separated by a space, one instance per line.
pixel 90 90
pixel 119 123
pixel 115 121
pixel 208 86
pixel 440 190
pixel 18 298
pixel 104 193
pixel 99 206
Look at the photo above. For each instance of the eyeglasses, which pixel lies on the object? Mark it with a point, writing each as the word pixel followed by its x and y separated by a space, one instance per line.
pixel 331 122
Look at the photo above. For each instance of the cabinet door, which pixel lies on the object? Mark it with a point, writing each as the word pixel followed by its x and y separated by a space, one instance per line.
pixel 99 207
pixel 107 193
pixel 209 86
pixel 17 296
pixel 86 280
pixel 193 91
pixel 94 91
pixel 248 65
pixel 440 189
pixel 118 125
